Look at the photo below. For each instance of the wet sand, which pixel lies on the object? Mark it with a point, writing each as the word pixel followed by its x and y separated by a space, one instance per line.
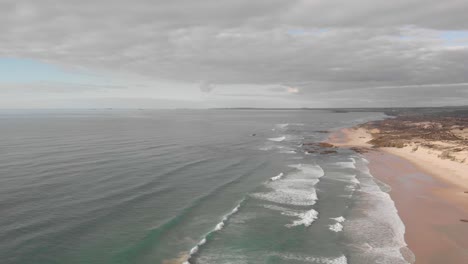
pixel 430 207
pixel 427 207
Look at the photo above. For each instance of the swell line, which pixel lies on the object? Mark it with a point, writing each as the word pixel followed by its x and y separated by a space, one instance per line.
pixel 218 227
pixel 152 239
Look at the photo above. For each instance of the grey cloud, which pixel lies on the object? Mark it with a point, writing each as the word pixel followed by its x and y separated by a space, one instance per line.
pixel 311 46
pixel 206 87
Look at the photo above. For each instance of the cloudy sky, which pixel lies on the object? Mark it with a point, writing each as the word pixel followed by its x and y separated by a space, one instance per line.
pixel 233 53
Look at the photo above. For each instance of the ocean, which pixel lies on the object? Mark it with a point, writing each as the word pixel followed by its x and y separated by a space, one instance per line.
pixel 189 186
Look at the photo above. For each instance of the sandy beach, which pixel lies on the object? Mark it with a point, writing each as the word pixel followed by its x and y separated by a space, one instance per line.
pixel 429 193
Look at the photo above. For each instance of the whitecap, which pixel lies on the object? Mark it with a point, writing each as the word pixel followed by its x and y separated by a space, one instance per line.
pixel 337 227
pixel 278 139
pixel 346 164
pixel 339 219
pixel 217 228
pixel 277 177
pixel 309 169
pixel 305 218
pixel 282 126
pixel 288 194
pixel 311 259
pixel 288 152
pixel 297 189
pixel 379 232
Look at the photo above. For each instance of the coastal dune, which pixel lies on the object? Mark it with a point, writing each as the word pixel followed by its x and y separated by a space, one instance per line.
pixel 428 175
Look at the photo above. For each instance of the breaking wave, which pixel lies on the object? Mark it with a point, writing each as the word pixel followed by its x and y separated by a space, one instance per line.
pixel 277 177
pixel 377 232
pixel 310 259
pixel 278 139
pixel 295 188
pixel 217 228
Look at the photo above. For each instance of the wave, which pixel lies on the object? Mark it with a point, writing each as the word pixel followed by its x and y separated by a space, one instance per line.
pixel 346 164
pixel 278 139
pixel 277 177
pixel 309 169
pixel 306 218
pixel 337 227
pixel 282 125
pixel 285 125
pixel 288 152
pixel 217 228
pixel 289 197
pixel 296 188
pixel 379 233
pixel 339 219
pixel 310 259
pixel 153 237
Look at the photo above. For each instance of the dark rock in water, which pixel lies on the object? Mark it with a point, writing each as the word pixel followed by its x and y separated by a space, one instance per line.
pixel 325 145
pixel 464 220
pixel 360 150
pixel 253 135
pixel 328 152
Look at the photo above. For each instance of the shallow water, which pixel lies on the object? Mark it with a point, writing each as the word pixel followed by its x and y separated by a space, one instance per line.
pixel 163 186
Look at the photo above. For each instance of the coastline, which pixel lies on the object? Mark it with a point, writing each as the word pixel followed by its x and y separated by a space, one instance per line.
pixel 430 201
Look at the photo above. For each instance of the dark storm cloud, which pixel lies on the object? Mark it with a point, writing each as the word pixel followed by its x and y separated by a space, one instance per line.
pixel 309 46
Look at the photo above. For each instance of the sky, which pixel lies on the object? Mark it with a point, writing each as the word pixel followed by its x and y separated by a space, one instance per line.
pixel 226 53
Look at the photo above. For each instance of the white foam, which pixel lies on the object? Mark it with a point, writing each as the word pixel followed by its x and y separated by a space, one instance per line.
pixel 339 219
pixel 337 227
pixel 355 180
pixel 282 125
pixel 286 193
pixel 217 228
pixel 277 177
pixel 347 164
pixel 309 169
pixel 348 178
pixel 376 231
pixel 278 139
pixel 295 189
pixel 288 152
pixel 305 218
pixel 310 259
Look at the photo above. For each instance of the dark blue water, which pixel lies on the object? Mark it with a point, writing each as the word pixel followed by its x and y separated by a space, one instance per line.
pixel 203 186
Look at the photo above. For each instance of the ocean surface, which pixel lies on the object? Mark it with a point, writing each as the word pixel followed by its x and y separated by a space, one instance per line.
pixel 200 186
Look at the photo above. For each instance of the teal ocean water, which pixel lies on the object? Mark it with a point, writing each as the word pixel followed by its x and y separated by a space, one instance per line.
pixel 179 186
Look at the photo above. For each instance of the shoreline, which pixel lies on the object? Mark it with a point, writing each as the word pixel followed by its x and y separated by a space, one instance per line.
pixel 429 202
